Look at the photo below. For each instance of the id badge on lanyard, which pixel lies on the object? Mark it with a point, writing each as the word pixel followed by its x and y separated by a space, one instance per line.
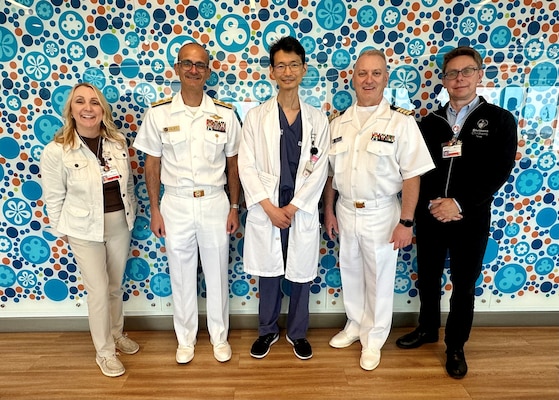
pixel 453 148
pixel 309 166
pixel 109 173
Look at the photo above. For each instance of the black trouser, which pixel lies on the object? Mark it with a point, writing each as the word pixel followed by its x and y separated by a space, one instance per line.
pixel 465 242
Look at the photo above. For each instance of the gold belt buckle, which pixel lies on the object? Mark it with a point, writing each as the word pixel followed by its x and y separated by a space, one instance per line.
pixel 198 193
pixel 359 204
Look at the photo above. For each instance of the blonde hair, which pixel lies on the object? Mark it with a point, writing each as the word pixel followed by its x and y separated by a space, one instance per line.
pixel 66 135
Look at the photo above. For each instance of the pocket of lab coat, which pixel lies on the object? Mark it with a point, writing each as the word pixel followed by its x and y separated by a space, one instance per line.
pixel 305 222
pixel 270 183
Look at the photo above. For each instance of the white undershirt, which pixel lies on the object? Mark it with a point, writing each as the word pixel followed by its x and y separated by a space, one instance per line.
pixel 363 113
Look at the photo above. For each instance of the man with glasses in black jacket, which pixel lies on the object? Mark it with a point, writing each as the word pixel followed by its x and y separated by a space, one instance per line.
pixel 473 144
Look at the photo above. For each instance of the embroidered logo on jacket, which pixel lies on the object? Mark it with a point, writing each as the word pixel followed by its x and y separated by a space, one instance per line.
pixel 480 131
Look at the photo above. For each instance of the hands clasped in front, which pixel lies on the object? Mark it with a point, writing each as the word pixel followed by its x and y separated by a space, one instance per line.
pixel 445 210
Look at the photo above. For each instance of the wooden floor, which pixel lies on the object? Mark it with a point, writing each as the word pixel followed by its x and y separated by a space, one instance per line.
pixel 505 363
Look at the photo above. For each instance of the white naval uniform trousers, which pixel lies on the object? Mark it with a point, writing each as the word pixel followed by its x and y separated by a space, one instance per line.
pixel 371 172
pixel 193 154
pixel 197 225
pixel 368 266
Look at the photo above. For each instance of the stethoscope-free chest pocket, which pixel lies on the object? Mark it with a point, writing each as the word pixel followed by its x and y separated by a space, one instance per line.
pixel 177 142
pixel 380 155
pixel 77 169
pixel 337 151
pixel 214 143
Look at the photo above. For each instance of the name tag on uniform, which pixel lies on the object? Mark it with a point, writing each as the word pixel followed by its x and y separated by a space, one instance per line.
pixel 172 128
pixel 452 149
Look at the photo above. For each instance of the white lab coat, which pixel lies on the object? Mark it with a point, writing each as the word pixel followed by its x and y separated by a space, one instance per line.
pixel 259 170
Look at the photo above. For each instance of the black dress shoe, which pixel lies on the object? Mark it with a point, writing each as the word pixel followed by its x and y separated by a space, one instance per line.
pixel 416 338
pixel 456 363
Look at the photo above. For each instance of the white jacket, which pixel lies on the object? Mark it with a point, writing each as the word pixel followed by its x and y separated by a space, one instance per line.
pixel 73 189
pixel 259 170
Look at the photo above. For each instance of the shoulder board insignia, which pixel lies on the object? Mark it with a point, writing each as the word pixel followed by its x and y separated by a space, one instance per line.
pixel 402 110
pixel 222 103
pixel 162 101
pixel 335 114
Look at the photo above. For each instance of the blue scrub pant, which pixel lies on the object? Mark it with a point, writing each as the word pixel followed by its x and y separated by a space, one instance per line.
pixel 270 306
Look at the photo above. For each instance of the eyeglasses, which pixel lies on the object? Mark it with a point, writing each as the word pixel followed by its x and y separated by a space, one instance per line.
pixel 294 67
pixel 187 64
pixel 466 73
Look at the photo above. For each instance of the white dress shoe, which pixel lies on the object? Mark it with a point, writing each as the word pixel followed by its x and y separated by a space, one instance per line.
pixel 370 359
pixel 185 354
pixel 342 339
pixel 222 352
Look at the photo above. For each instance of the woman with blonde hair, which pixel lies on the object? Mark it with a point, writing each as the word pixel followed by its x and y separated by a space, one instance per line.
pixel 90 202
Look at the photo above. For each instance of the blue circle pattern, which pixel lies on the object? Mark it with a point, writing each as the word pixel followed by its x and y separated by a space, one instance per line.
pixel 137 269
pixel 233 33
pixel 330 14
pixel 510 278
pixel 7 276
pixel 366 16
pixel 35 249
pixel 8 45
pixel 326 31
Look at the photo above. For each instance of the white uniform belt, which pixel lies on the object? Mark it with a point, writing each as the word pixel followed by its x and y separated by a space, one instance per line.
pixel 367 204
pixel 195 191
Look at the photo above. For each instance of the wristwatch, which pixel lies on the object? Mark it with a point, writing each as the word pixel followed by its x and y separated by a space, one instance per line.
pixel 408 223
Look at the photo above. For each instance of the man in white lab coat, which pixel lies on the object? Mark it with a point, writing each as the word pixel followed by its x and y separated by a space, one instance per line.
pixel 283 165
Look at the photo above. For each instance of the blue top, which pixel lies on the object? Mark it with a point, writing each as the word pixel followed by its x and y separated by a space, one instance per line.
pixel 290 153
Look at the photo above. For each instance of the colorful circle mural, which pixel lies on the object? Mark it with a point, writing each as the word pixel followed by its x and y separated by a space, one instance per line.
pixel 127 49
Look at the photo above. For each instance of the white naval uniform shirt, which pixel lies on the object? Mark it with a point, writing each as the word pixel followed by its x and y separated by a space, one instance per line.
pixel 370 162
pixel 193 148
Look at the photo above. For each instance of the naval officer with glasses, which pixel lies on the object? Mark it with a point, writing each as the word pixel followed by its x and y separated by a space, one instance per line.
pixel 191 143
pixel 473 145
pixel 283 164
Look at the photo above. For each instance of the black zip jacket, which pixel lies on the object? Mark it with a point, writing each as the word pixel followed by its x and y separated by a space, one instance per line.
pixel 489 142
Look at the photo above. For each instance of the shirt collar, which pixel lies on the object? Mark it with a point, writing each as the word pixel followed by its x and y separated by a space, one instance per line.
pixel 467 108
